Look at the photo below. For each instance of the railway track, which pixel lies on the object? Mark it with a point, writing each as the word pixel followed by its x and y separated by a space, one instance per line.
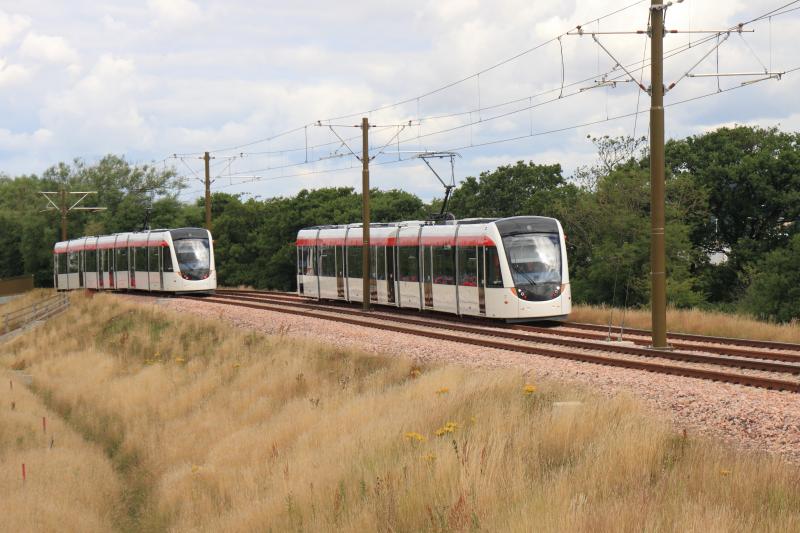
pixel 746 348
pixel 764 368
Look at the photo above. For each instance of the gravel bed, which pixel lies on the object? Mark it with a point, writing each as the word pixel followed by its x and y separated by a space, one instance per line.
pixel 541 340
pixel 749 418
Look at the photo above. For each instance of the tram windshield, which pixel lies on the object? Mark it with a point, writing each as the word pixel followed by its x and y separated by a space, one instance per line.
pixel 194 258
pixel 534 258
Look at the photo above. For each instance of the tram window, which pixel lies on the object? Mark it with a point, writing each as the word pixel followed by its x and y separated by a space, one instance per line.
pixel 152 258
pixel 327 261
pixel 378 263
pixel 122 259
pixel 72 262
pixel 494 277
pixel 62 263
pixel 339 261
pixel 468 266
pixel 409 263
pixel 301 250
pixel 139 258
pixel 91 260
pixel 302 253
pixel 311 265
pixel 444 265
pixel 354 269
pixel 166 259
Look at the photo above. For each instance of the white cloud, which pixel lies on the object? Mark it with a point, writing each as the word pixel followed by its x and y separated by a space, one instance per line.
pixel 174 13
pixel 101 109
pixel 17 141
pixel 11 26
pixel 12 74
pixel 49 48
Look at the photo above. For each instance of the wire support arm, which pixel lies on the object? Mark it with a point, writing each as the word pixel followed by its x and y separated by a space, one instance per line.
pixel 689 72
pixel 397 134
pixel 344 143
pixel 618 64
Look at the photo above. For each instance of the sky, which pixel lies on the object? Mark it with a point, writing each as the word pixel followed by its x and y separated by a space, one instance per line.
pixel 275 90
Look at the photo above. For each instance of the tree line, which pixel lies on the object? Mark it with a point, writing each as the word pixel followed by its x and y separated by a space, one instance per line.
pixel 732 213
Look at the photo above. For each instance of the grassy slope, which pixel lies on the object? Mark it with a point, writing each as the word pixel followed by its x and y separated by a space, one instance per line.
pixel 70 486
pixel 213 428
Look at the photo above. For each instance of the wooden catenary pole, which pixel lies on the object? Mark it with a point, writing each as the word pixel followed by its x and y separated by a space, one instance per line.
pixel 365 212
pixel 658 300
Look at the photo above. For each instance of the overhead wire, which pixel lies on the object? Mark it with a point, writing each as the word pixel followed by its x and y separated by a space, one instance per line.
pixel 495 141
pixel 428 93
pixel 419 120
pixel 668 54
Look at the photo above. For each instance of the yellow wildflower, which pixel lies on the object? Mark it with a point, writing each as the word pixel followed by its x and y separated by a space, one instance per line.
pixel 414 436
pixel 428 457
pixel 180 360
pixel 529 389
pixel 450 427
pixel 724 471
pixel 443 390
pixel 236 365
pixel 195 469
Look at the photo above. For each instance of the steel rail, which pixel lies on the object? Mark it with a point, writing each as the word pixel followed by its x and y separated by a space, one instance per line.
pixel 600 334
pixel 372 321
pixel 710 347
pixel 751 364
pixel 753 343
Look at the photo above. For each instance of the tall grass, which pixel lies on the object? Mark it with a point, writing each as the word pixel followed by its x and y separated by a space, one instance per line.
pixel 70 485
pixel 695 321
pixel 211 428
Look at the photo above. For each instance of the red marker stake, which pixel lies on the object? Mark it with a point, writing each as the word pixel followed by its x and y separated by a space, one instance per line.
pixel 11 384
pixel 23 472
pixel 44 424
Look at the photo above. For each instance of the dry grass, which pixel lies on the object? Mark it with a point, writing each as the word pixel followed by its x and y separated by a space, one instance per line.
pixel 691 321
pixel 70 485
pixel 213 429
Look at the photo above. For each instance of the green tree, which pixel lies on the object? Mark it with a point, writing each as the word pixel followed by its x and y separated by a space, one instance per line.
pixel 520 189
pixel 751 179
pixel 774 292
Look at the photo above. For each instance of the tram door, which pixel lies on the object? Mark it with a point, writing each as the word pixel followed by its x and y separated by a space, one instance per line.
pixel 132 268
pixel 339 253
pixel 101 268
pixel 111 254
pixel 390 269
pixel 482 280
pixel 81 268
pixel 154 270
pixel 427 275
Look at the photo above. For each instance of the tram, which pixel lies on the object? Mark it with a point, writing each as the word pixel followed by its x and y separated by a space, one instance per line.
pixel 507 268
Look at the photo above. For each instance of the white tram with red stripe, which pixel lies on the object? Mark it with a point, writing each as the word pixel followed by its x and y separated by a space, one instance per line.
pixel 175 261
pixel 511 268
